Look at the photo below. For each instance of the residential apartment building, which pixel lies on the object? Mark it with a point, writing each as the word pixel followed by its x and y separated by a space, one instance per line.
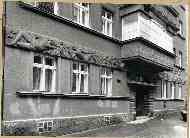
pixel 71 67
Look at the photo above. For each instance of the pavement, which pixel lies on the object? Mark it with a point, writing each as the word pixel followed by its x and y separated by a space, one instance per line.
pixel 168 127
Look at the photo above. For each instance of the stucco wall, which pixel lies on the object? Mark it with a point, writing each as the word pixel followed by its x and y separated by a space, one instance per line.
pixel 37 23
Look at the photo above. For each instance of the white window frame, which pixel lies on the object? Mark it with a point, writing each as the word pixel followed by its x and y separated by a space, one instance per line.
pixel 173 90
pixel 79 72
pixel 43 124
pixel 105 22
pixel 180 28
pixel 81 9
pixel 164 89
pixel 180 59
pixel 107 80
pixel 43 77
pixel 179 92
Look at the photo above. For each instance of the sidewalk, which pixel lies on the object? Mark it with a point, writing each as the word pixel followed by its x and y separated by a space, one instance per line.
pixel 142 128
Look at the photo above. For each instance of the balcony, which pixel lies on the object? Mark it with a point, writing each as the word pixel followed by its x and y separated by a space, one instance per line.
pixel 148 29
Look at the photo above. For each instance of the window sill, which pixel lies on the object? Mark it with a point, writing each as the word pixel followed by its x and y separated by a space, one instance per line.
pixel 181 36
pixel 167 99
pixel 68 96
pixel 179 67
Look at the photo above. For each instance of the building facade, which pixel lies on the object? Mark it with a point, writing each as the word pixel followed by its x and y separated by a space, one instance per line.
pixel 71 67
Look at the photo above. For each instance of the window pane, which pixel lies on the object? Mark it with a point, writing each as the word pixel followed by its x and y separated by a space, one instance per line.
pixel 108 29
pixel 83 17
pixel 84 67
pixel 75 14
pixel 108 72
pixel 48 79
pixel 85 4
pixel 47 6
pixel 36 78
pixel 82 83
pixel 40 129
pixel 45 125
pixel 75 66
pixel 102 86
pixel 74 83
pixel 38 59
pixel 109 15
pixel 107 85
pixel 102 71
pixel 49 61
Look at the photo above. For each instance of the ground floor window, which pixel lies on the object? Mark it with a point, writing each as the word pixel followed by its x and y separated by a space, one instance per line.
pixel 164 89
pixel 44 73
pixel 180 92
pixel 106 82
pixel 173 88
pixel 80 78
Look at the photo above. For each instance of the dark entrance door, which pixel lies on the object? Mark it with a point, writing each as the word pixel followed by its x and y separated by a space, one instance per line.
pixel 140 101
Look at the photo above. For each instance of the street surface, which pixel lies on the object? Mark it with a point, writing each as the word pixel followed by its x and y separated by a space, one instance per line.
pixel 169 127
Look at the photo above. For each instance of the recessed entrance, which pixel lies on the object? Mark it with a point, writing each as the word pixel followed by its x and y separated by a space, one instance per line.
pixel 142 100
pixel 140 103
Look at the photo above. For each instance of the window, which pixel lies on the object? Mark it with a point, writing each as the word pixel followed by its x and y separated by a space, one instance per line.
pixel 180 92
pixel 106 82
pixel 164 89
pixel 180 59
pixel 172 86
pixel 180 28
pixel 81 13
pixel 107 23
pixel 44 73
pixel 45 126
pixel 80 78
pixel 47 6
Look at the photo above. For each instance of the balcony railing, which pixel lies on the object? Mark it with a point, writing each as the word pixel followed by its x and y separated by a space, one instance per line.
pixel 149 30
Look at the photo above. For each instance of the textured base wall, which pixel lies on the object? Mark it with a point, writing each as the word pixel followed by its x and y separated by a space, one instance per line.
pixel 63 126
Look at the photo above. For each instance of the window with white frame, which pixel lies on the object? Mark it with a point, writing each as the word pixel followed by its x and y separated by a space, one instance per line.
pixel 80 78
pixel 47 6
pixel 81 13
pixel 164 89
pixel 107 23
pixel 180 92
pixel 44 73
pixel 45 126
pixel 172 86
pixel 180 59
pixel 180 28
pixel 106 82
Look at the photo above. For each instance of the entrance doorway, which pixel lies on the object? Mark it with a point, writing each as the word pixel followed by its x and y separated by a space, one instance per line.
pixel 142 101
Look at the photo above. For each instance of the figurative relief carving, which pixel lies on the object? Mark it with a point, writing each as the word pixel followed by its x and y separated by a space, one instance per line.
pixel 54 47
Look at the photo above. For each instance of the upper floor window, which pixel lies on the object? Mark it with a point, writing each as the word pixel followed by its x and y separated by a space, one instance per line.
pixel 180 28
pixel 44 73
pixel 80 78
pixel 180 59
pixel 47 6
pixel 107 23
pixel 81 13
pixel 106 82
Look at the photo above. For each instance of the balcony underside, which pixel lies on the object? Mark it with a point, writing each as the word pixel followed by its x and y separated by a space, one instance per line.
pixel 145 64
pixel 143 84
